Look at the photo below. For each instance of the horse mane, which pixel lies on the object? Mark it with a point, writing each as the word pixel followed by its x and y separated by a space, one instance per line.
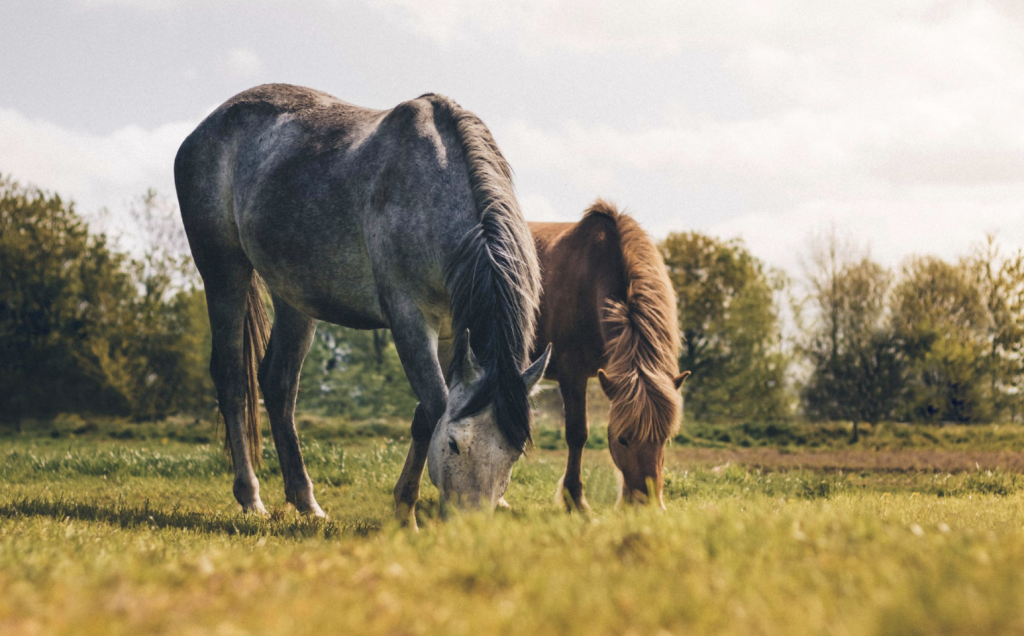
pixel 493 279
pixel 643 350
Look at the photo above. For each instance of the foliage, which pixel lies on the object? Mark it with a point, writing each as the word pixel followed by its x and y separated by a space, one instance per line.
pixel 795 436
pixel 943 342
pixel 355 373
pixel 1000 281
pixel 730 325
pixel 857 360
pixel 65 310
pixel 939 312
pixel 83 327
pixel 171 344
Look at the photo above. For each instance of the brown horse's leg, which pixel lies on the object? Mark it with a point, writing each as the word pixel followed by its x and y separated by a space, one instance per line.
pixel 279 378
pixel 577 430
pixel 418 349
pixel 407 488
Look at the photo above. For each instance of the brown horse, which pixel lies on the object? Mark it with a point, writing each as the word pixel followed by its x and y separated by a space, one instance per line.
pixel 609 310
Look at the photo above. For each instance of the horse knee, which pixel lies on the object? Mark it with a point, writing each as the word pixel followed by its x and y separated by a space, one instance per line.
pixel 264 371
pixel 274 389
pixel 425 421
pixel 215 371
pixel 576 437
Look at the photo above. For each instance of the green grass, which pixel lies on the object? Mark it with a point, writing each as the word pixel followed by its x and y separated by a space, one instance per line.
pixel 111 534
pixel 549 435
pixel 836 435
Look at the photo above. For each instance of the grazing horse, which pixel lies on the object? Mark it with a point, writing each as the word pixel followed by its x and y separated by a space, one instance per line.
pixel 401 218
pixel 609 310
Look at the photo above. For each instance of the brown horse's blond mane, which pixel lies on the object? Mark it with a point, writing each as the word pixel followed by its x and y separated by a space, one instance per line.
pixel 643 350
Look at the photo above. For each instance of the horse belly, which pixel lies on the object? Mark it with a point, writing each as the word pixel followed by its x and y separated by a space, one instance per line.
pixel 318 263
pixel 349 303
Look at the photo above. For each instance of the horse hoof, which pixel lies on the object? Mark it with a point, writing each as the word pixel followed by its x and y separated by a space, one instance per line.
pixel 256 508
pixel 308 508
pixel 312 511
pixel 571 502
pixel 406 516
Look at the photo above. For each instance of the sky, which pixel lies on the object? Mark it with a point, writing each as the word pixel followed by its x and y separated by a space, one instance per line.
pixel 899 123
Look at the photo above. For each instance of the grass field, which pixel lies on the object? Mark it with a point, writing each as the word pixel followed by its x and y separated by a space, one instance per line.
pixel 130 529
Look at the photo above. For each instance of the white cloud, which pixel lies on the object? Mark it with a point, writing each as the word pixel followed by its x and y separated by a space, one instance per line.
pixel 96 171
pixel 244 63
pixel 945 221
pixel 923 191
pixel 666 27
pixel 536 207
pixel 164 6
pixel 899 122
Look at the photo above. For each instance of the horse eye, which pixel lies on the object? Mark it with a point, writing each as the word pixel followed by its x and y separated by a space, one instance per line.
pixel 623 441
pixel 453 446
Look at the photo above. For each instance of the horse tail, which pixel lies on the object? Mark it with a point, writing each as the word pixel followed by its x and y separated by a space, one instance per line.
pixel 256 335
pixel 493 278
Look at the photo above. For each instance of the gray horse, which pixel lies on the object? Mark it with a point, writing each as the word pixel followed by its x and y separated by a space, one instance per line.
pixel 401 218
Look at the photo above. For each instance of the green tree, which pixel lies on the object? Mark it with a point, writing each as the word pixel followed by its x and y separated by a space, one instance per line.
pixel 1000 281
pixel 730 324
pixel 171 342
pixel 939 312
pixel 65 310
pixel 355 373
pixel 85 328
pixel 857 362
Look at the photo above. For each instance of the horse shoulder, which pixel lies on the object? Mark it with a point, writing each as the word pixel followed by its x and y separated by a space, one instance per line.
pixel 578 262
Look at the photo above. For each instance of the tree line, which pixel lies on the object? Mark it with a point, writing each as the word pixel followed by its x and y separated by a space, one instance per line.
pixel 934 341
pixel 88 326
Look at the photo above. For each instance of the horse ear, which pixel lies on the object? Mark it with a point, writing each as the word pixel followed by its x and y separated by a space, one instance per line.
pixel 679 379
pixel 606 384
pixel 536 370
pixel 469 370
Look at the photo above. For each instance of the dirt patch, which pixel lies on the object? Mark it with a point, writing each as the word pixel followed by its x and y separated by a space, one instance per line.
pixel 851 460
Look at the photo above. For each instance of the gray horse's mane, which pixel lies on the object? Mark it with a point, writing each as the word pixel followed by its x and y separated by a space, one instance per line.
pixel 493 278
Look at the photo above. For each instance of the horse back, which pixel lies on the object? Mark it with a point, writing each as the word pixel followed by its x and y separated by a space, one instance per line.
pixel 332 203
pixel 581 267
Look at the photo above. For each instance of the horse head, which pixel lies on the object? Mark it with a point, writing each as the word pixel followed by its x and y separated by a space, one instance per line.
pixel 470 459
pixel 644 410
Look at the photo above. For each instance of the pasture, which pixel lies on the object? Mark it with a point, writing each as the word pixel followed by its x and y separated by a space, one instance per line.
pixel 116 528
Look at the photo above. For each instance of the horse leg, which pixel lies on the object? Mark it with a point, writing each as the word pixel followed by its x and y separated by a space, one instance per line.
pixel 226 293
pixel 418 349
pixel 279 378
pixel 577 430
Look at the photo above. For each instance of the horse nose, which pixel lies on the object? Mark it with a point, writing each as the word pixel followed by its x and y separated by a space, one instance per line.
pixel 453 445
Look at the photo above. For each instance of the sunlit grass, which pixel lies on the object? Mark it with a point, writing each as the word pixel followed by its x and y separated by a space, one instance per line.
pixel 111 536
